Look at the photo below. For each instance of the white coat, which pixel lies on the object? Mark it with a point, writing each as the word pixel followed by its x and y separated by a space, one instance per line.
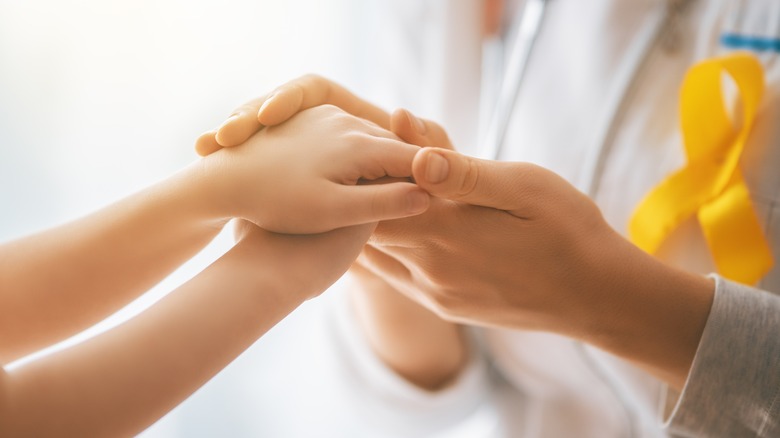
pixel 598 105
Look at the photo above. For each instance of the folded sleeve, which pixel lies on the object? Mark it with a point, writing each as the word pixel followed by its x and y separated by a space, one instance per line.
pixel 733 389
pixel 393 404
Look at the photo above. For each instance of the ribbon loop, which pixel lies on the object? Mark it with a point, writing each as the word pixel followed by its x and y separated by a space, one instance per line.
pixel 711 185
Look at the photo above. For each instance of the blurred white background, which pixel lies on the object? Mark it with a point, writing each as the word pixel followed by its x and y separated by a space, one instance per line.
pixel 101 98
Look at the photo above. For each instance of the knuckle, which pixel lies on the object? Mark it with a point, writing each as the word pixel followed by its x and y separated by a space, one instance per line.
pixel 527 181
pixel 332 115
pixel 353 139
pixel 324 110
pixel 308 77
pixel 311 78
pixel 469 180
pixel 330 109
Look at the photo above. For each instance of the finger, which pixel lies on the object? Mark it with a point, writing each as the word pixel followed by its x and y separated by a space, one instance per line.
pixel 312 90
pixel 415 231
pixel 383 266
pixel 383 180
pixel 496 184
pixel 241 124
pixel 286 101
pixel 353 205
pixel 375 130
pixel 381 157
pixel 207 143
pixel 420 132
pixel 394 273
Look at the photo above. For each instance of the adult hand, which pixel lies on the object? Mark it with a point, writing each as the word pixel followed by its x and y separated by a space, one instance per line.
pixel 507 244
pixel 514 245
pixel 411 340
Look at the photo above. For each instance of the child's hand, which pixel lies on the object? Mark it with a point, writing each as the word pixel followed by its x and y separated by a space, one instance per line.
pixel 281 104
pixel 301 266
pixel 302 176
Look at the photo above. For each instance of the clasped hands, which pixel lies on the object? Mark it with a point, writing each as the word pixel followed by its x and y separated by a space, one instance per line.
pixel 499 244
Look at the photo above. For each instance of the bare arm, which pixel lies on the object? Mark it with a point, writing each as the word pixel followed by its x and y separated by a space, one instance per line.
pixel 61 281
pixel 413 341
pixel 58 282
pixel 123 380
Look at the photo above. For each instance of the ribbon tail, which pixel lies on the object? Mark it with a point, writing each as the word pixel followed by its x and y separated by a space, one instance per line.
pixel 735 234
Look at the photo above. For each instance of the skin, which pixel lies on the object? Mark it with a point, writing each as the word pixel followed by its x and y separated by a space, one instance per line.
pixel 412 339
pixel 157 229
pixel 120 382
pixel 61 281
pixel 513 245
pixel 567 271
pixel 426 349
pixel 326 152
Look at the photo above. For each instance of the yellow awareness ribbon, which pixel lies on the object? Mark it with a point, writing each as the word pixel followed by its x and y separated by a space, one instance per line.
pixel 711 185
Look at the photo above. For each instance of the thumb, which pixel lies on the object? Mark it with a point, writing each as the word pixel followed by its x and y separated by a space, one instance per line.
pixel 448 174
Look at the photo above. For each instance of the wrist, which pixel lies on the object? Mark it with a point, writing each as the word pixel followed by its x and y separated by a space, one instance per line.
pixel 205 189
pixel 657 313
pixel 289 267
pixel 262 272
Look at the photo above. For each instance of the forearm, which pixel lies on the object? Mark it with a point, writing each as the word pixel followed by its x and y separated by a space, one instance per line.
pixel 63 280
pixel 410 339
pixel 657 314
pixel 122 381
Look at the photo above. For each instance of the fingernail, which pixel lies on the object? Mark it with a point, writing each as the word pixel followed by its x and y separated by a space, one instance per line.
pixel 437 169
pixel 417 202
pixel 228 121
pixel 265 104
pixel 418 124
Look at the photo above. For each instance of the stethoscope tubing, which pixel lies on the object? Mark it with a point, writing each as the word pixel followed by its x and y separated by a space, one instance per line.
pixel 526 34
